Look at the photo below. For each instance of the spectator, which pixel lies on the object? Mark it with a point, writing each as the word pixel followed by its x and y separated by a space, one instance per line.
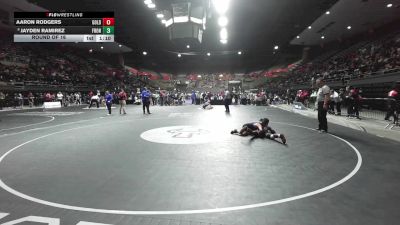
pixel 31 99
pixel 393 102
pixel 2 100
pixel 47 97
pixel 193 96
pixel 122 101
pixel 77 98
pixel 60 97
pixel 339 100
pixel 355 100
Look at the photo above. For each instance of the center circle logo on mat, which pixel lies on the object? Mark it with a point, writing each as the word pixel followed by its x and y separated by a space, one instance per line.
pixel 178 135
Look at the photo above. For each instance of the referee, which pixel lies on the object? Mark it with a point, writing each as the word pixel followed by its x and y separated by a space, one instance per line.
pixel 323 101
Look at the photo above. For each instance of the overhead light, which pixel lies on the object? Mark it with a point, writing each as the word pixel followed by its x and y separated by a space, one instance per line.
pixel 348 27
pixel 298 37
pixel 144 53
pixel 160 15
pixel 223 41
pixel 187 46
pixel 163 21
pixel 151 5
pixel 223 21
pixel 322 37
pixel 327 13
pixel 102 47
pixel 120 46
pixel 199 76
pixel 208 54
pixel 179 55
pixel 239 52
pixel 221 6
pixel 309 27
pixel 148 2
pixel 223 34
pixel 276 47
pixel 389 5
pixel 221 75
pixel 90 50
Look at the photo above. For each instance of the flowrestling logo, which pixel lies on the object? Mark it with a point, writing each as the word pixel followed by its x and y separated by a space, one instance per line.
pixel 187 132
pixel 179 135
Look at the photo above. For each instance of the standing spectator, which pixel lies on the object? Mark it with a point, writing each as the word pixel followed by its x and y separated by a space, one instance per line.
pixel 20 100
pixel 198 96
pixel 208 95
pixel 227 100
pixel 115 97
pixel 122 101
pixel 349 101
pixel 66 99
pixel 133 97
pixel 146 100
pixel 339 102
pixel 90 95
pixel 31 99
pixel 60 97
pixel 332 102
pixel 109 100
pixel 157 94
pixel 322 101
pixel 77 98
pixel 153 99
pixel 288 100
pixel 162 98
pixel 47 97
pixel 356 100
pixel 312 82
pixel 16 102
pixel 2 100
pixel 193 96
pixel 304 96
pixel 393 102
pixel 236 97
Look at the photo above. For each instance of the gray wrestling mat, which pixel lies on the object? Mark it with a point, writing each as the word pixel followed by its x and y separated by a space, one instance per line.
pixel 181 165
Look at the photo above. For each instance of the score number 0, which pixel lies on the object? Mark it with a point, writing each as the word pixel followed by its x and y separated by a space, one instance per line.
pixel 108 21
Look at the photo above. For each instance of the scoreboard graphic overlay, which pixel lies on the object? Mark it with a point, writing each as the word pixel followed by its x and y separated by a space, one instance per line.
pixel 64 26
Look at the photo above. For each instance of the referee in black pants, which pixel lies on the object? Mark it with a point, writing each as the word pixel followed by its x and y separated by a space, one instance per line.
pixel 323 96
pixel 227 100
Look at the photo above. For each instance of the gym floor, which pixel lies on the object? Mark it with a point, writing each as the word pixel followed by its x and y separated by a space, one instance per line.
pixel 181 165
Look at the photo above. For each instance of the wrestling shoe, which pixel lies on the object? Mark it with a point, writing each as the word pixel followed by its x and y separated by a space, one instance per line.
pixel 234 131
pixel 283 139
